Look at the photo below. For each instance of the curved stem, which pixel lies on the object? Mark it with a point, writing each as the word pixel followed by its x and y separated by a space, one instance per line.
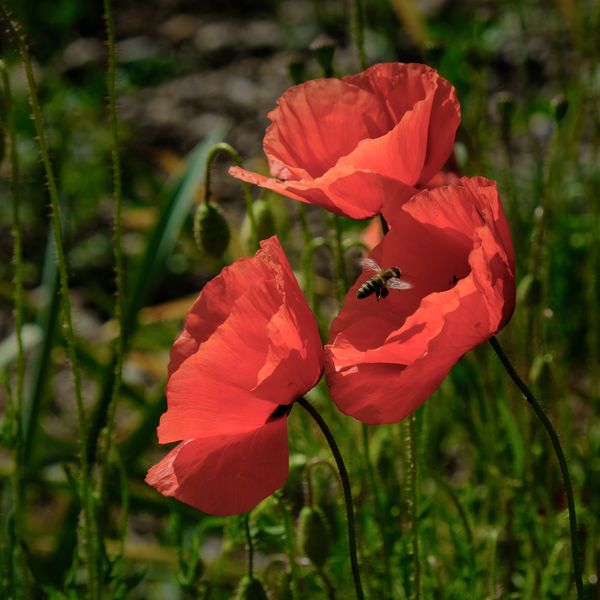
pixel 541 415
pixel 224 148
pixel 314 413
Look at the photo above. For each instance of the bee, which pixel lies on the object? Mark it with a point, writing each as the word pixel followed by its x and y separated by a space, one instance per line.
pixel 381 283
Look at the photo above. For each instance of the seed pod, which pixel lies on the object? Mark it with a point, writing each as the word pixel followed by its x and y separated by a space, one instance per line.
pixel 211 230
pixel 315 537
pixel 250 588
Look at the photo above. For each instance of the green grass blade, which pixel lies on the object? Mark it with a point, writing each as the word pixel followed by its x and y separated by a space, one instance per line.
pixel 147 277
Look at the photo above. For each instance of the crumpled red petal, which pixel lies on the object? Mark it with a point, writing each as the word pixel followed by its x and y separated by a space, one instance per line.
pixel 348 145
pixel 384 359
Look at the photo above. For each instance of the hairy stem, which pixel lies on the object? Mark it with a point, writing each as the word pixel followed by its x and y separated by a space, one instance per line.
pixel 412 506
pixel 358 31
pixel 117 244
pixel 56 220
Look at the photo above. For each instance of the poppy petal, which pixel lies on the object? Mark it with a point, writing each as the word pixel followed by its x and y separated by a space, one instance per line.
pixel 225 475
pixel 349 145
pixel 343 190
pixel 385 358
pixel 318 121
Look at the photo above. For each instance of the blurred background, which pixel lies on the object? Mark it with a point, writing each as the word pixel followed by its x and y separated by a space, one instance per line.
pixel 492 519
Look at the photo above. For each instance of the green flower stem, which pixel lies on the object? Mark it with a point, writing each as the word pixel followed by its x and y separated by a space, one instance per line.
pixel 249 544
pixel 224 148
pixel 541 415
pixel 55 214
pixel 117 243
pixel 17 406
pixel 289 545
pixel 314 413
pixel 339 258
pixel 308 273
pixel 379 510
pixel 358 32
pixel 304 228
pixel 412 505
pixel 8 126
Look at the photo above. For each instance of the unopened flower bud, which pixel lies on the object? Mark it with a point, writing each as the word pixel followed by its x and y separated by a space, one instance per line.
pixel 315 538
pixel 250 588
pixel 323 47
pixel 559 106
pixel 211 230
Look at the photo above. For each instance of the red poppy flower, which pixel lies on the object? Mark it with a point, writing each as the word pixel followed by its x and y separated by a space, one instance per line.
pixel 385 358
pixel 249 348
pixel 348 144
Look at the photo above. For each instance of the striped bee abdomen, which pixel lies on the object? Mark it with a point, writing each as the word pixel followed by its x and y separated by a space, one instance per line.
pixel 375 285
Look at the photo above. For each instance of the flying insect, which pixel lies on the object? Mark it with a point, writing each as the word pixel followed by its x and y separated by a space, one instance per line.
pixel 382 282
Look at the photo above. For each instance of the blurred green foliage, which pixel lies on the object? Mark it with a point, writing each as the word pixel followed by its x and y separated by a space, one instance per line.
pixel 492 520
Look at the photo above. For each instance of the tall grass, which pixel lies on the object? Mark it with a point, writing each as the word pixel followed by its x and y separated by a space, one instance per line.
pixel 467 502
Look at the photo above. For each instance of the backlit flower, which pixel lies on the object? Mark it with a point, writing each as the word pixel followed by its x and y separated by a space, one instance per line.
pixel 385 358
pixel 250 347
pixel 350 144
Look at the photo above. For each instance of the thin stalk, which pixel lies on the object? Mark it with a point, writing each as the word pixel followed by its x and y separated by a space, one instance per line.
pixel 412 505
pixel 338 256
pixel 304 228
pixel 17 246
pixel 117 243
pixel 55 217
pixel 358 31
pixel 379 511
pixel 289 545
pixel 224 148
pixel 249 544
pixel 339 461
pixel 17 260
pixel 541 415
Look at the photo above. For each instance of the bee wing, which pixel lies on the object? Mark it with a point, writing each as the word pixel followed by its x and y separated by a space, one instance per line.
pixel 399 284
pixel 371 265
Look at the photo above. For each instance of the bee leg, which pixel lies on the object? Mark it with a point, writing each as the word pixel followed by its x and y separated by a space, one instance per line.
pixel 384 292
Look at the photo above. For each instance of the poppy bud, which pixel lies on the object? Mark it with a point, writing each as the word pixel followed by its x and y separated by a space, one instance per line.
pixel 250 588
pixel 323 47
pixel 211 230
pixel 315 539
pixel 559 105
